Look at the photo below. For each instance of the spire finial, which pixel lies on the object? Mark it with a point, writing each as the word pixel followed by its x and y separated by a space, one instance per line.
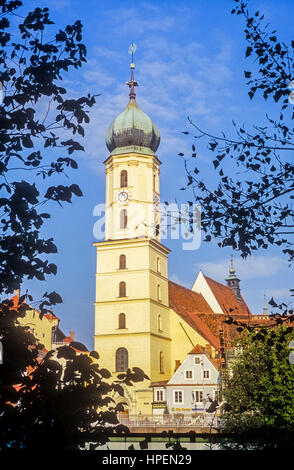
pixel 232 270
pixel 265 309
pixel 132 83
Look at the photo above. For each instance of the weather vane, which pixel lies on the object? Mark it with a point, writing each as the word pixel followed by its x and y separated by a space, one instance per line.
pixel 132 49
pixel 132 83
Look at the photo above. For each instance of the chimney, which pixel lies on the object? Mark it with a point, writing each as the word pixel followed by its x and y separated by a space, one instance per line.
pixel 177 364
pixel 72 335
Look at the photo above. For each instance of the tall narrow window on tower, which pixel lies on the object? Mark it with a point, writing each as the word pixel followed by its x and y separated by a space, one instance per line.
pixel 158 292
pixel 122 262
pixel 121 321
pixel 123 179
pixel 159 323
pixel 158 265
pixel 121 360
pixel 161 362
pixel 123 219
pixel 122 289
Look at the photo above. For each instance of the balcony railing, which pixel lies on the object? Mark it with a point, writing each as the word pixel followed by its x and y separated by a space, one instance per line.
pixel 139 421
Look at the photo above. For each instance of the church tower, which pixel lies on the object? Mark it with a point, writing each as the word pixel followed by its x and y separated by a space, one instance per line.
pixel 132 325
pixel 233 281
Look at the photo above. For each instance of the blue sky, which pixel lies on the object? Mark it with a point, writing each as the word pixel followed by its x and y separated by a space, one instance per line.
pixel 190 60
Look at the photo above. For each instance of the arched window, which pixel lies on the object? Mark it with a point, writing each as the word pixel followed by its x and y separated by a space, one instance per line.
pixel 123 179
pixel 121 360
pixel 122 262
pixel 123 218
pixel 121 321
pixel 158 292
pixel 159 323
pixel 122 289
pixel 158 265
pixel 161 362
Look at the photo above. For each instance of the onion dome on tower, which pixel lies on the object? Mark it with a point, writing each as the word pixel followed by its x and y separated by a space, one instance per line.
pixel 132 130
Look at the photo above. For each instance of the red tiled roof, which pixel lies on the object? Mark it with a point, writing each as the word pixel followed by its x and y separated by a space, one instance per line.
pixel 188 304
pixel 15 299
pixel 227 299
pixel 183 299
pixel 50 316
pixel 197 350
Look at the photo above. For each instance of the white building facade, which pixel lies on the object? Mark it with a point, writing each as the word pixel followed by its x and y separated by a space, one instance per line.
pixel 192 388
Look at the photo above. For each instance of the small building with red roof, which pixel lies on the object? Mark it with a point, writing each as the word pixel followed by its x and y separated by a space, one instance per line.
pixel 192 388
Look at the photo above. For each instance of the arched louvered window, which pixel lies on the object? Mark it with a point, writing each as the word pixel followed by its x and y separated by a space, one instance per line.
pixel 121 360
pixel 122 289
pixel 122 321
pixel 123 179
pixel 159 323
pixel 161 362
pixel 158 292
pixel 122 262
pixel 158 265
pixel 123 218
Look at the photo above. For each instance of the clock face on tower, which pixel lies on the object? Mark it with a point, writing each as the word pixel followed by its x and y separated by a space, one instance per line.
pixel 123 197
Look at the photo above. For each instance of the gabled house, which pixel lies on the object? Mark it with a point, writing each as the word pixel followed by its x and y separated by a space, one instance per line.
pixel 191 389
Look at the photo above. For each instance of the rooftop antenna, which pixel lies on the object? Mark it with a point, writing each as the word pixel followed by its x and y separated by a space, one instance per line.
pixel 132 83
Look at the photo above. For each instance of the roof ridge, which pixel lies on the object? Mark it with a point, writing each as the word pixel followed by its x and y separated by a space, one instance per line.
pixel 239 304
pixel 188 289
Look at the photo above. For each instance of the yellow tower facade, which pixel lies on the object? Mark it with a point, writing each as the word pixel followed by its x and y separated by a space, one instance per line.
pixel 132 320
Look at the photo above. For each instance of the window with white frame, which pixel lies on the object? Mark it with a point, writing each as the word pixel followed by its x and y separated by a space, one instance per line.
pixel 197 360
pixel 197 396
pixel 159 395
pixel 188 374
pixel 206 374
pixel 178 396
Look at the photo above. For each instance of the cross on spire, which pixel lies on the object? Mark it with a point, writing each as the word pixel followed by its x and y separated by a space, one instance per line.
pixel 132 83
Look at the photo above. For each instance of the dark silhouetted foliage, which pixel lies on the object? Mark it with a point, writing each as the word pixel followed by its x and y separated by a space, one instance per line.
pixel 251 207
pixel 59 400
